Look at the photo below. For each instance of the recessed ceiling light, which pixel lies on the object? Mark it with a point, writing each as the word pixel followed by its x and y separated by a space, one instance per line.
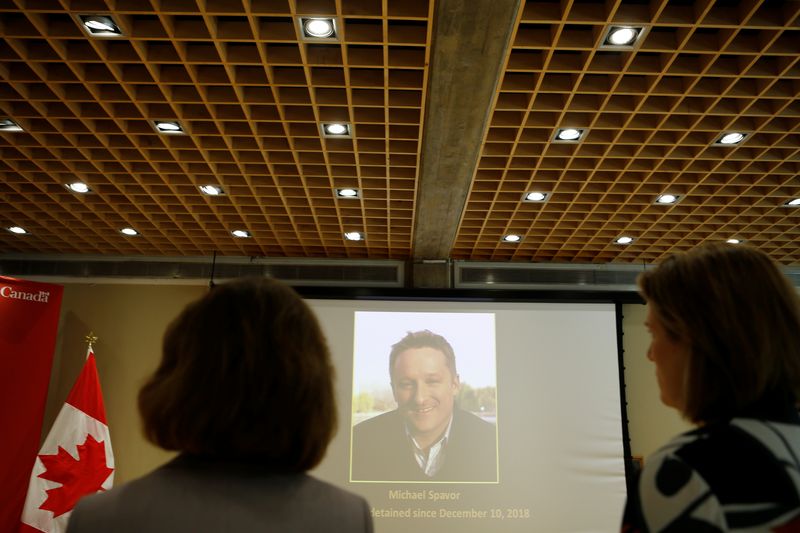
pixel 569 134
pixel 18 230
pixel 319 28
pixel 733 137
pixel 511 237
pixel 100 25
pixel 240 233
pixel 624 240
pixel 795 202
pixel 354 236
pixel 211 190
pixel 129 232
pixel 734 241
pixel 336 129
pixel 667 199
pixel 168 126
pixel 7 124
pixel 622 36
pixel 79 187
pixel 535 196
pixel 348 193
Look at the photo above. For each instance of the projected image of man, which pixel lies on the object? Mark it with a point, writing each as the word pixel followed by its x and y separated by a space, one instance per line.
pixel 427 438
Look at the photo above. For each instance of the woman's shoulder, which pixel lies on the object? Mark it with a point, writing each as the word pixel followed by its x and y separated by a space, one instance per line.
pixel 763 437
pixel 189 495
pixel 712 474
pixel 733 458
pixel 196 495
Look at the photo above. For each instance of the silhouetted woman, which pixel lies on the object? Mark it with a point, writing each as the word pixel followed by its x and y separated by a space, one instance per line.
pixel 244 392
pixel 725 327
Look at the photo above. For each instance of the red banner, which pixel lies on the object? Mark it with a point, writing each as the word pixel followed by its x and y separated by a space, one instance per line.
pixel 29 313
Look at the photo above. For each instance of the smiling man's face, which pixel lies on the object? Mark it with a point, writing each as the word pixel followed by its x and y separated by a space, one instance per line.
pixel 425 390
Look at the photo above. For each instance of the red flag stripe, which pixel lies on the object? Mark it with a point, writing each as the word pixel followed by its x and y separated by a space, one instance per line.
pixel 86 394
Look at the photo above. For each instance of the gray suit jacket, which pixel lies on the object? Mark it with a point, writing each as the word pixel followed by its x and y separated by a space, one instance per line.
pixel 191 494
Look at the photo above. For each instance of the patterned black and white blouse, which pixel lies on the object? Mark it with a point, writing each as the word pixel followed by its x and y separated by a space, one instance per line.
pixel 743 475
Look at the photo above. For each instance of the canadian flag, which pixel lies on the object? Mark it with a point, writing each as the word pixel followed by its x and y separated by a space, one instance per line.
pixel 75 459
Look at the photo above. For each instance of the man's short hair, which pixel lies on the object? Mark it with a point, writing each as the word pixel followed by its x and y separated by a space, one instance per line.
pixel 245 374
pixel 740 317
pixel 423 339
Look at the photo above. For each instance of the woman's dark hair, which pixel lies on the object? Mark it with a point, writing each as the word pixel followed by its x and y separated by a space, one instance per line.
pixel 740 317
pixel 245 374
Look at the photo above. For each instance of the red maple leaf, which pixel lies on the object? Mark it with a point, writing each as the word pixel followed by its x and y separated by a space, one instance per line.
pixel 77 477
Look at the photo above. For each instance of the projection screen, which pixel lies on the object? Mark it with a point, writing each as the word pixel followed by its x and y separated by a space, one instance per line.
pixel 539 384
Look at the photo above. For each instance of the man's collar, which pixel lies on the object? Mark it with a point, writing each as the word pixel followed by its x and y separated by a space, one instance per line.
pixel 442 439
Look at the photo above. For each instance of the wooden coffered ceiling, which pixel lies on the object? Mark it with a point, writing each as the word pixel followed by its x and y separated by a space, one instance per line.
pixel 453 107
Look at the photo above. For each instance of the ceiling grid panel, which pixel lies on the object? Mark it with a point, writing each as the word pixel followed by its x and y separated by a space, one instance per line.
pixel 252 92
pixel 652 114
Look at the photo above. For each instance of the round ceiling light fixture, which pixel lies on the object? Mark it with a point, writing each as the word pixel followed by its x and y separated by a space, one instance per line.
pixel 79 187
pixel 164 126
pixel 347 193
pixel 6 124
pixel 733 137
pixel 569 134
pixel 336 129
pixel 319 28
pixel 536 196
pixel 622 36
pixel 100 25
pixel 211 190
pixel 666 199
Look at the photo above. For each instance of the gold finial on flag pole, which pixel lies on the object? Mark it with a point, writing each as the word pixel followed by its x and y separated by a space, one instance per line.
pixel 91 339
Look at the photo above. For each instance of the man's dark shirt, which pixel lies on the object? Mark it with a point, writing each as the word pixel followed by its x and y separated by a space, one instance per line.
pixel 382 450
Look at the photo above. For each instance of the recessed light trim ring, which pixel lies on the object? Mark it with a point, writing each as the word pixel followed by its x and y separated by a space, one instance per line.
pixel 168 126
pixel 731 138
pixel 623 36
pixel 100 25
pixel 79 187
pixel 7 124
pixel 336 129
pixel 211 190
pixel 348 192
pixel 536 196
pixel 667 199
pixel 320 28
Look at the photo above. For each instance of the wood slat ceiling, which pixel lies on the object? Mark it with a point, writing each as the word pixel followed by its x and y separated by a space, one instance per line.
pixel 251 95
